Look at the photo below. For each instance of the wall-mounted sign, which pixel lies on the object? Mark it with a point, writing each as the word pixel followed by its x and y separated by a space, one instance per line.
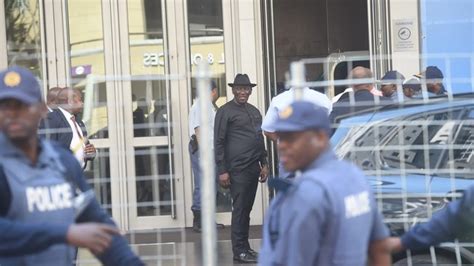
pixel 81 70
pixel 404 39
pixel 158 59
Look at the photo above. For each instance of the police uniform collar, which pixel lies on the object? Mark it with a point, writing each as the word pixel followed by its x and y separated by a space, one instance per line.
pixel 46 156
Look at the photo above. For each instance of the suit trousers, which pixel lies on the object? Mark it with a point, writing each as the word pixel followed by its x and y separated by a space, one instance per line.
pixel 243 189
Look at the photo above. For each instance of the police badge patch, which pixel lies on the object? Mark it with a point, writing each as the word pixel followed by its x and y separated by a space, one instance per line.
pixel 12 79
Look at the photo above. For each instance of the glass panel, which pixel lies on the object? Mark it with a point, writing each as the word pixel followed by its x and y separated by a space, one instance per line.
pixel 97 174
pixel 154 188
pixel 206 41
pixel 22 19
pixel 88 62
pixel 150 112
pixel 147 57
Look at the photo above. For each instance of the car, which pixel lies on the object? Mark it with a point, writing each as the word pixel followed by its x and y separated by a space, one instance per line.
pixel 418 156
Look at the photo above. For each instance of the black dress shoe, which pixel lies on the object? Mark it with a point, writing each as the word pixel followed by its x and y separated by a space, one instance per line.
pixel 245 257
pixel 253 252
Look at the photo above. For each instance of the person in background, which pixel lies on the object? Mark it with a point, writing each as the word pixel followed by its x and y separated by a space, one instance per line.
pixel 281 101
pixel 314 220
pixel 361 99
pixel 411 88
pixel 241 161
pixel 52 98
pixel 194 133
pixel 433 77
pixel 390 84
pixel 63 126
pixel 454 221
pixel 41 216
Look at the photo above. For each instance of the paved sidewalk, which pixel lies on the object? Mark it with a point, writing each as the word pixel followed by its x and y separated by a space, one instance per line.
pixel 178 247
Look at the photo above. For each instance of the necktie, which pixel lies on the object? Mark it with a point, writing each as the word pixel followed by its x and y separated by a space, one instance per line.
pixel 73 118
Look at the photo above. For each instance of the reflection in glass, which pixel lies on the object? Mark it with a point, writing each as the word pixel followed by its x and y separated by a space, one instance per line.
pixel 97 174
pixel 22 22
pixel 150 112
pixel 155 195
pixel 206 41
pixel 86 44
pixel 148 63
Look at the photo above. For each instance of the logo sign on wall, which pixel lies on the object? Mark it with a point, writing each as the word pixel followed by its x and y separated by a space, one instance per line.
pixel 81 70
pixel 404 39
pixel 158 59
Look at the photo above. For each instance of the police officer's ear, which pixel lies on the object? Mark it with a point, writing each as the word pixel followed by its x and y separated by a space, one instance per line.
pixel 320 139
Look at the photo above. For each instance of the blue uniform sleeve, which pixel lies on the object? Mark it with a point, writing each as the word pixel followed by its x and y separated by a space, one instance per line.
pixel 18 239
pixel 379 229
pixel 119 253
pixel 449 223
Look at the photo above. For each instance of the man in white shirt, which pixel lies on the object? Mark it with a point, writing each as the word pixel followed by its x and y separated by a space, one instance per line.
pixel 62 126
pixel 282 101
pixel 194 124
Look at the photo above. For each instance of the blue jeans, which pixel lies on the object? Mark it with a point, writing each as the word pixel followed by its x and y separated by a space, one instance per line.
pixel 197 179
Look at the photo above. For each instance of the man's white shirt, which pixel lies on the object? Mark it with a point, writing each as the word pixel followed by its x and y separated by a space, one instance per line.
pixel 195 118
pixel 77 143
pixel 284 99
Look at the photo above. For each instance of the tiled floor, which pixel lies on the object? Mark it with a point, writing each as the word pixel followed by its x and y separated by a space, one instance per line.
pixel 179 247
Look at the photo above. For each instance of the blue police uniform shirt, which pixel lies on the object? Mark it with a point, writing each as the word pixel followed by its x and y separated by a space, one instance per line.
pixel 39 194
pixel 21 238
pixel 454 221
pixel 328 216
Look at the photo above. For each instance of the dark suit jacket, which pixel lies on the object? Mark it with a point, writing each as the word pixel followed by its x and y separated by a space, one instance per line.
pixel 363 100
pixel 56 127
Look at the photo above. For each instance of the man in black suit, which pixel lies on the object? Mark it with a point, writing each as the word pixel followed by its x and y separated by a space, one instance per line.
pixel 52 98
pixel 361 98
pixel 61 126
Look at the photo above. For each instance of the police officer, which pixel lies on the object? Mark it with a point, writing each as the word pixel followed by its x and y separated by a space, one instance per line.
pixel 38 184
pixel 327 214
pixel 194 130
pixel 281 101
pixel 390 84
pixel 454 221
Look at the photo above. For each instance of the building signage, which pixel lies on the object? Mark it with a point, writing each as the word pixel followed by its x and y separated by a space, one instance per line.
pixel 404 35
pixel 158 59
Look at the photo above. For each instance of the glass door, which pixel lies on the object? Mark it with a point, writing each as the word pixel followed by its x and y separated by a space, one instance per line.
pixel 154 191
pixel 21 36
pixel 88 66
pixel 206 43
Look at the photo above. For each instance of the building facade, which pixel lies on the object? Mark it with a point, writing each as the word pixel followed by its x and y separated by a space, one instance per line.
pixel 135 61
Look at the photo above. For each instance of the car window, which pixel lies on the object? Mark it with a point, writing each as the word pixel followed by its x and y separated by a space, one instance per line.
pixel 437 140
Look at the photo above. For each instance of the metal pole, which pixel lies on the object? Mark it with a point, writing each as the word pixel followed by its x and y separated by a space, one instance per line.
pixel 208 181
pixel 298 79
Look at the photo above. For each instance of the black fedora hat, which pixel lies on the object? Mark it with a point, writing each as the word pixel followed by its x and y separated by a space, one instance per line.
pixel 242 80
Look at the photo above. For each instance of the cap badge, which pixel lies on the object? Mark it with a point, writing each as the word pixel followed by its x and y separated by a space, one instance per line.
pixel 287 112
pixel 12 79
